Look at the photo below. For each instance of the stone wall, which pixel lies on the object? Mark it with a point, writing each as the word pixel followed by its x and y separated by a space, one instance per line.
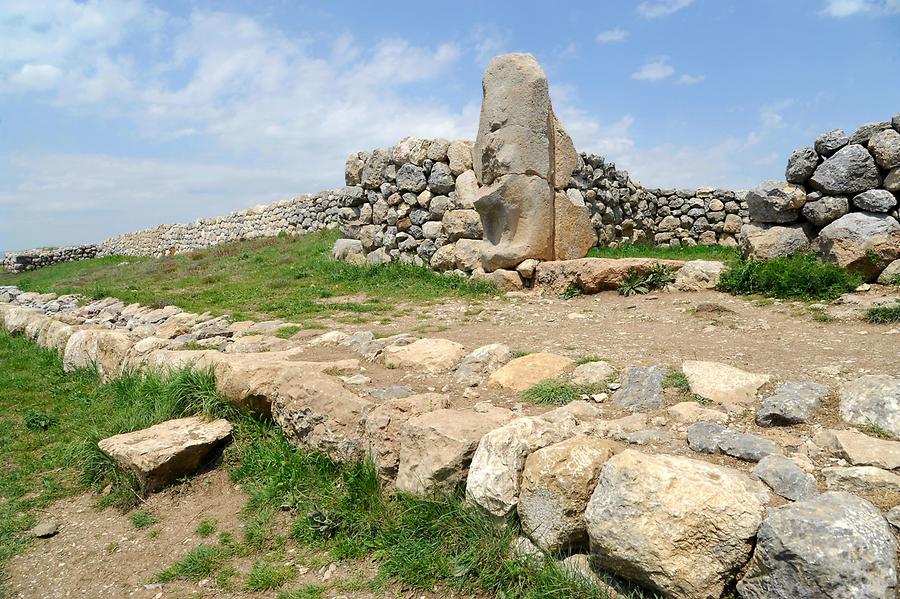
pixel 38 258
pixel 415 202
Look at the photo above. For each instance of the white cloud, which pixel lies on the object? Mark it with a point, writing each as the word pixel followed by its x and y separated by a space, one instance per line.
pixel 849 8
pixel 770 115
pixel 37 76
pixel 612 36
pixel 655 70
pixel 690 79
pixel 653 9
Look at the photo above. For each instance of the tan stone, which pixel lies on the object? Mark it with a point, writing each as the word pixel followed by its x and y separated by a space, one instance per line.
pixel 722 383
pixel 860 449
pixel 17 318
pixel 527 371
pixel 425 355
pixel 574 233
pixel 459 155
pixel 592 275
pixel 565 157
pixel 862 480
pixel 436 448
pixel 467 254
pixel 689 412
pixel 167 451
pixel 56 335
pixel 557 482
pixel 466 190
pixel 104 349
pixel 507 280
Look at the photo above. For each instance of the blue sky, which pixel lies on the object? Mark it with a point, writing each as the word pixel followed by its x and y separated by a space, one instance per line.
pixel 117 115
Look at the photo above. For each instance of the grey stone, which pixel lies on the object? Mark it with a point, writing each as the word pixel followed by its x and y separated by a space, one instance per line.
pixel 885 147
pixel 862 480
pixel 767 242
pixel 747 447
pixel 835 546
pixel 852 170
pixel 641 388
pixel 392 392
pixel 872 400
pixel 775 202
pixel 896 122
pixel 892 180
pixel 875 200
pixel 824 211
pixel 832 141
pixel 801 165
pixel 786 478
pixel 461 224
pixel 891 274
pixel 45 530
pixel 792 403
pixel 856 239
pixel 704 437
pixel 865 132
pixel 441 180
pixel 893 515
pixel 411 178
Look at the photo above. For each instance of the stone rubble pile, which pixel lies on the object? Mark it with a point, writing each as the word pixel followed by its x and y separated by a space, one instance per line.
pixel 682 498
pixel 839 201
pixel 17 262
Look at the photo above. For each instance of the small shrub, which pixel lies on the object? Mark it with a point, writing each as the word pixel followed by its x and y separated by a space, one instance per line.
pixel 875 430
pixel 141 519
pixel 39 420
pixel 570 292
pixel 676 379
pixel 802 276
pixel 883 314
pixel 636 282
pixel 552 391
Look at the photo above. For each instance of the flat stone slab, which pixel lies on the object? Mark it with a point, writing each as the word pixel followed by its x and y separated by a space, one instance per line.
pixel 860 449
pixel 592 275
pixel 722 383
pixel 527 371
pixel 167 451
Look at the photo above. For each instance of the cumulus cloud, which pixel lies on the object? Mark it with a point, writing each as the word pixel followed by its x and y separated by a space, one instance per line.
pixel 690 79
pixel 654 9
pixel 655 70
pixel 612 36
pixel 849 8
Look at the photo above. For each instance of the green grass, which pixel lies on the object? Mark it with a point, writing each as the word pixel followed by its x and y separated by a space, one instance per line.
pixel 883 314
pixel 677 379
pixel 206 528
pixel 283 278
pixel 697 252
pixel 141 519
pixel 636 282
pixel 307 591
pixel 588 359
pixel 557 392
pixel 802 277
pixel 266 576
pixel 288 331
pixel 199 563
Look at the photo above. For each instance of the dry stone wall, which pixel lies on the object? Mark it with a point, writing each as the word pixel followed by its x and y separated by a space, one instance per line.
pixel 39 258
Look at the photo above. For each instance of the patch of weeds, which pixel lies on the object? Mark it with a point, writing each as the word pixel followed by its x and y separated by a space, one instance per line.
pixel 822 316
pixel 141 519
pixel 206 528
pixel 557 392
pixel 521 354
pixel 39 420
pixel 153 533
pixel 802 276
pixel 199 563
pixel 677 379
pixel 571 292
pixel 194 346
pixel 589 359
pixel 874 429
pixel 894 281
pixel 636 282
pixel 266 576
pixel 883 314
pixel 307 591
pixel 288 331
pixel 111 547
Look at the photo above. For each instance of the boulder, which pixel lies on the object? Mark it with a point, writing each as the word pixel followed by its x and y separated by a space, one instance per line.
pixel 441 181
pixel 411 178
pixel 374 168
pixel 703 524
pixel 825 210
pixel 574 232
pixel 593 373
pixel 557 483
pixel 467 254
pixel 16 318
pixel 582 568
pixel 104 349
pixel 851 241
pixel 165 452
pixel 850 171
pixel 885 147
pixel 641 388
pixel 689 412
pixel 481 362
pixel 466 191
pixel 801 165
pixel 461 224
pixel 349 250
pixel 875 200
pixel 459 155
pixel 506 280
pixel 353 168
pixel 891 274
pixel 866 131
pixel 592 275
pixel 698 275
pixel 384 422
pixel 565 156
pixel 765 242
pixel 710 437
pixel 834 546
pixel 892 180
pixel 722 383
pixel 775 202
pixel 525 372
pixel 829 143
pixel 872 401
pixel 55 336
pixel 786 478
pixel 793 403
pixel 425 355
pixel 861 480
pixel 436 448
pixel 410 150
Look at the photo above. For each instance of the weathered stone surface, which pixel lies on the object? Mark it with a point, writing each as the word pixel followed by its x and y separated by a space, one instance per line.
pixel 862 480
pixel 483 361
pixel 349 250
pixel 797 554
pixel 507 280
pixel 825 210
pixel 704 437
pixel 411 178
pixel 459 155
pixel 864 132
pixel 786 478
pixel 860 449
pixel 557 483
pixel 384 422
pixel 440 181
pixel 850 171
pixel 852 239
pixel 697 275
pixel 574 234
pixel 829 143
pixel 373 171
pixel 353 168
pixel 892 180
pixel 593 373
pixel 763 242
pixel 461 224
pixel 792 403
pixel 592 275
pixel 527 371
pixel 775 202
pixel 167 451
pixel 801 165
pixel 885 147
pixel 425 355
pixel 891 274
pixel 875 200
pixel 411 150
pixel 582 568
pixel 496 470
pixel 56 335
pixel 689 412
pixel 467 254
pixel 873 400
pixel 722 383
pixel 641 388
pixel 104 349
pixel 436 448
pixel 517 218
pixel 710 437
pixel 466 191
pixel 45 529
pixel 704 520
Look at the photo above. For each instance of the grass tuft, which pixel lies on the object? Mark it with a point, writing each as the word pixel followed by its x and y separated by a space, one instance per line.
pixel 677 379
pixel 557 392
pixel 883 314
pixel 141 519
pixel 200 562
pixel 795 277
pixel 266 576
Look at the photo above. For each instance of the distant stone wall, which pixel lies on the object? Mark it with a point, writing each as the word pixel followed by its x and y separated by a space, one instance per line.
pixel 415 203
pixel 39 258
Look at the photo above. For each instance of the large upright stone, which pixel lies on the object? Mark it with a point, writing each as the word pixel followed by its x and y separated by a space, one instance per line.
pixel 872 401
pixel 856 238
pixel 852 170
pixel 574 233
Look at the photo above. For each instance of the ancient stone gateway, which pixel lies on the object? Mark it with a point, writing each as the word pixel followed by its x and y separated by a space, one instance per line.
pixel 523 158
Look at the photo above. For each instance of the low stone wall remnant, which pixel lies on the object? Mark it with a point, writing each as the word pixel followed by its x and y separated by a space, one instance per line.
pixel 38 258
